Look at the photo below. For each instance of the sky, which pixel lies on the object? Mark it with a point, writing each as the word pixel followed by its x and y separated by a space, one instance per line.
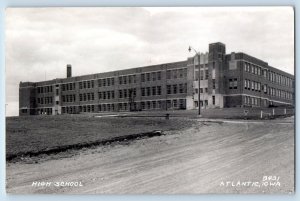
pixel 40 42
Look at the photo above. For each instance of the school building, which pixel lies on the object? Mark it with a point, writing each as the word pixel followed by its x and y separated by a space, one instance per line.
pixel 226 81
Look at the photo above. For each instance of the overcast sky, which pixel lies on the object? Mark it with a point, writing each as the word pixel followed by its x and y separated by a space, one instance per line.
pixel 41 41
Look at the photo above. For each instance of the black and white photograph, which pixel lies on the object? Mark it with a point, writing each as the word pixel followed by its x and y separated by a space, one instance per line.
pixel 150 100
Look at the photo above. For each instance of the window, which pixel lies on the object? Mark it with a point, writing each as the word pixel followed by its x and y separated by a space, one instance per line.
pixel 175 105
pixel 213 100
pixel 206 74
pixel 120 94
pixel 134 78
pixel 158 75
pixel 143 105
pixel 175 89
pixel 120 80
pixel 201 75
pixel 168 103
pixel 174 74
pixel 154 104
pixel 148 91
pixel 168 74
pixel 125 93
pixel 143 91
pixel 181 73
pixel 92 83
pixel 112 94
pixel 153 91
pixel 235 83
pixel 214 84
pixel 158 90
pixel 245 84
pixel 143 77
pixel 230 84
pixel 249 87
pixel 168 89
pixel 148 77
pixel 181 88
pixel 206 90
pixel 252 85
pixel 158 104
pixel 153 76
pixel 185 72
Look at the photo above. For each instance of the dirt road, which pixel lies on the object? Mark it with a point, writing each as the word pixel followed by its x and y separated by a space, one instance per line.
pixel 228 157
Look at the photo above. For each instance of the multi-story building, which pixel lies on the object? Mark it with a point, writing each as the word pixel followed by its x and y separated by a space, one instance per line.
pixel 226 80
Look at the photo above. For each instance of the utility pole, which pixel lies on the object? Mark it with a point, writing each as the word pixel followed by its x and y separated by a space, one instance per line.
pixel 197 54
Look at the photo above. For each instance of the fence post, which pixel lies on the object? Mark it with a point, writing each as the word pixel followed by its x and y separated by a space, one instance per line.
pixel 273 111
pixel 261 114
pixel 167 116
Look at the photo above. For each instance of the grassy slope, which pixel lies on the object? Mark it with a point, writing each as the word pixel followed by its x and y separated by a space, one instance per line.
pixel 36 133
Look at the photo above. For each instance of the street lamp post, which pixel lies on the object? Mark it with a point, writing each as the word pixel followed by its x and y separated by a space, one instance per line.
pixel 198 54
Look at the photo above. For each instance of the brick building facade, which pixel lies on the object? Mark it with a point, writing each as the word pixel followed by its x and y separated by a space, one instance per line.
pixel 226 80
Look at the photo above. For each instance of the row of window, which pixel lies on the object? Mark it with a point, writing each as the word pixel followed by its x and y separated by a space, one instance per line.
pixel 69 110
pixel 280 79
pixel 153 76
pixel 47 111
pixel 68 98
pixel 177 73
pixel 272 76
pixel 127 93
pixel 177 88
pixel 202 74
pixel 106 82
pixel 45 89
pixel 253 101
pixel 203 103
pixel 148 91
pixel 45 100
pixel 254 69
pixel 86 97
pixel 103 95
pixel 127 79
pixel 86 84
pixel 257 86
pixel 144 105
pixel 233 83
pixel 280 93
pixel 254 86
pixel 68 86
pixel 201 90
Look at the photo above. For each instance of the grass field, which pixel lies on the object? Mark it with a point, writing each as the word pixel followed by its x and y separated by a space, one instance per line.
pixel 39 133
